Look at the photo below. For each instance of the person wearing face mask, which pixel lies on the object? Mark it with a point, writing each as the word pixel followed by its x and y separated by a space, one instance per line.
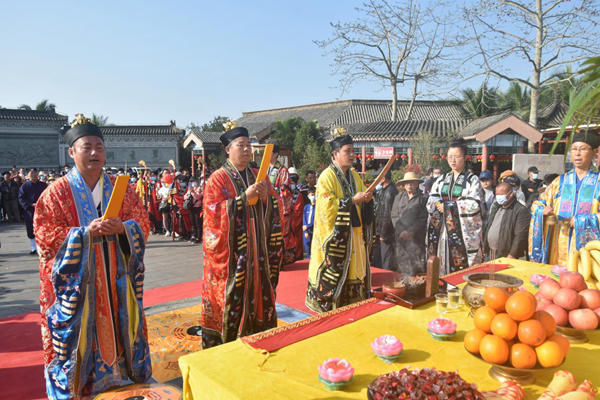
pixel 507 229
pixel 194 198
pixel 165 193
pixel 297 211
pixel 566 215
pixel 383 256
pixel 435 174
pixel 514 181
pixel 308 221
pixel 531 186
pixel 182 217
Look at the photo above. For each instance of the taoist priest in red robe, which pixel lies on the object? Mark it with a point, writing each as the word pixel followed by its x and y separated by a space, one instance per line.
pixel 242 248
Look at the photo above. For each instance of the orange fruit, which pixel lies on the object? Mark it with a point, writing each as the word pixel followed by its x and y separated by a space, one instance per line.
pixel 562 341
pixel 549 354
pixel 472 340
pixel 547 321
pixel 531 332
pixel 522 356
pixel 504 326
pixel 494 349
pixel 482 318
pixel 521 305
pixel 496 298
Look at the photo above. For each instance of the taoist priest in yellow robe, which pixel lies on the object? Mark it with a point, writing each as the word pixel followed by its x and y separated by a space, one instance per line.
pixel 338 272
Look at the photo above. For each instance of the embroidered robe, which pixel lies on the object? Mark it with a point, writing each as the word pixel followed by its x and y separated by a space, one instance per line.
pixel 338 272
pixel 93 324
pixel 280 179
pixel 242 258
pixel 550 243
pixel 455 235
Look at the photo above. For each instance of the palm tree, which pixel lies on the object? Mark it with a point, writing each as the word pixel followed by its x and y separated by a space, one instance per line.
pixel 24 107
pixel 45 105
pixel 99 119
pixel 516 99
pixel 480 103
pixel 584 102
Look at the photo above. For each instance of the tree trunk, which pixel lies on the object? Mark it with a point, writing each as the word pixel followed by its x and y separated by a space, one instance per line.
pixel 537 61
pixel 394 101
pixel 412 100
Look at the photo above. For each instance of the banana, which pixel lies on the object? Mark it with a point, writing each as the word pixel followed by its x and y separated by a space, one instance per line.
pixel 586 263
pixel 595 255
pixel 596 271
pixel 591 284
pixel 573 260
pixel 593 245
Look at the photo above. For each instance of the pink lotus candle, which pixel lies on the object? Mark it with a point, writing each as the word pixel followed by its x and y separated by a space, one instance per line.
pixel 387 345
pixel 558 269
pixel 537 279
pixel 336 370
pixel 442 326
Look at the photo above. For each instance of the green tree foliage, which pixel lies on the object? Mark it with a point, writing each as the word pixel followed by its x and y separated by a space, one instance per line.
pixel 99 119
pixel 310 151
pixel 215 159
pixel 45 105
pixel 480 102
pixel 584 104
pixel 424 147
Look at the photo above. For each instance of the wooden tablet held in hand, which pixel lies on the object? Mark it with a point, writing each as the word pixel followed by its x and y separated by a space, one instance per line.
pixel 116 199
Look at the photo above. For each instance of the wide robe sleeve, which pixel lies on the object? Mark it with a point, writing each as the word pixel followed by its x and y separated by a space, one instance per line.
pixel 540 230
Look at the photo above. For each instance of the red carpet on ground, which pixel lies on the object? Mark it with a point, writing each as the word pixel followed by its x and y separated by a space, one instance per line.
pixel 21 343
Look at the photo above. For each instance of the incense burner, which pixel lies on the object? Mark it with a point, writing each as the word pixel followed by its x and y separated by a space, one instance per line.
pixel 477 283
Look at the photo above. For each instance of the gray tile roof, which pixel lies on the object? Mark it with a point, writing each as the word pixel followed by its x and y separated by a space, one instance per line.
pixel 348 112
pixel 207 137
pixel 404 130
pixel 552 115
pixel 142 130
pixel 479 124
pixel 30 115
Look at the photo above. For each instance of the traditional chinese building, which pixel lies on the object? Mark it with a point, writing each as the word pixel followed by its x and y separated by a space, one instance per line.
pixel 30 138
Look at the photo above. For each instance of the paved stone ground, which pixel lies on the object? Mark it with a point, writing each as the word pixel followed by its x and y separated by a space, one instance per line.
pixel 167 263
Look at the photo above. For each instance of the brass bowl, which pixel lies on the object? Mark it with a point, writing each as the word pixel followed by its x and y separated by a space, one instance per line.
pixel 503 373
pixel 574 335
pixel 477 282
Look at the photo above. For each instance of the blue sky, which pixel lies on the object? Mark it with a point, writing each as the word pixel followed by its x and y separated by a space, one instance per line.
pixel 147 62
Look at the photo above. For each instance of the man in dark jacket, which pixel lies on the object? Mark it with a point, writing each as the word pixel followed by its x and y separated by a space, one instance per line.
pixel 409 217
pixel 29 193
pixel 507 229
pixel 10 194
pixel 383 224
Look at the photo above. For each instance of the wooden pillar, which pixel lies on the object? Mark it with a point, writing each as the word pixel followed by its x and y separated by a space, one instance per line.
pixel 363 160
pixel 410 157
pixel 540 147
pixel 496 172
pixel 193 169
pixel 484 157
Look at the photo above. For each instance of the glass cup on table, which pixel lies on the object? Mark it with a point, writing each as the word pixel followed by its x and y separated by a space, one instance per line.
pixel 453 298
pixel 441 303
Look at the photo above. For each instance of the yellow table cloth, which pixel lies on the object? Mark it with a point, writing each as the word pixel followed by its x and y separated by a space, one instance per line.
pixel 237 371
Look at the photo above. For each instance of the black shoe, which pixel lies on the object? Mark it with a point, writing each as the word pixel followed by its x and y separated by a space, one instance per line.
pixel 33 252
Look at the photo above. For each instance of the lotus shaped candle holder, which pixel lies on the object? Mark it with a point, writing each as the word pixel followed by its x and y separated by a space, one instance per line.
pixel 387 347
pixel 441 328
pixel 537 279
pixel 335 373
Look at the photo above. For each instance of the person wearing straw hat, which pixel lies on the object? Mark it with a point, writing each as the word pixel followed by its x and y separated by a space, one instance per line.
pixel 242 246
pixel 92 276
pixel 409 218
pixel 339 273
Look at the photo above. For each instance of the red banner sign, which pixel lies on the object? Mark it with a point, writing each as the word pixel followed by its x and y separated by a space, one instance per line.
pixel 383 152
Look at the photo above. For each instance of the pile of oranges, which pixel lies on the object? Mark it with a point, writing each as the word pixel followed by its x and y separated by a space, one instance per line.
pixel 509 330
